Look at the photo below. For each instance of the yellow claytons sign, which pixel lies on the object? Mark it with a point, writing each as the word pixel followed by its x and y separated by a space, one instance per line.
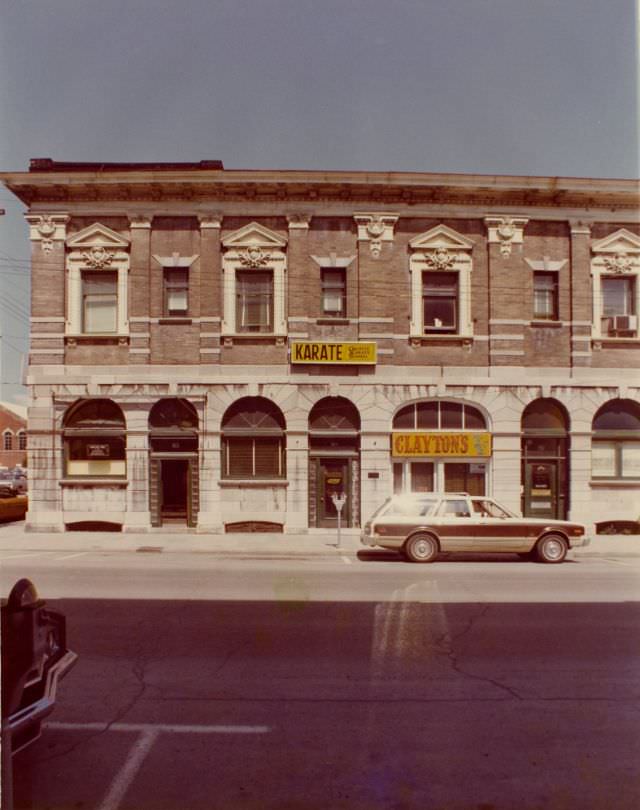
pixel 342 353
pixel 441 444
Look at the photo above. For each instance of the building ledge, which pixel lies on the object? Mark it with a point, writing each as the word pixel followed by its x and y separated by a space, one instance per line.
pixel 175 321
pixel 253 482
pixel 91 482
pixel 542 324
pixel 619 483
pixel 432 340
pixel 116 340
pixel 256 338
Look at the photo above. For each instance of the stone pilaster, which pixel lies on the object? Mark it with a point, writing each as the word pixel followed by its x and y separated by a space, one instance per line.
pixel 299 269
pixel 139 288
pixel 508 307
pixel 581 293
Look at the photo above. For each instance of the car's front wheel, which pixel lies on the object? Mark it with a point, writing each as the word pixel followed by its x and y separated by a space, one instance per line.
pixel 421 548
pixel 552 548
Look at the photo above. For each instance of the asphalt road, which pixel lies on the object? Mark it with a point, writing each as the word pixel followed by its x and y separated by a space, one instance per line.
pixel 359 682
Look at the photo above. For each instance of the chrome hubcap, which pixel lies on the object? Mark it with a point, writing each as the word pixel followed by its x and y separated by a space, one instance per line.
pixel 422 548
pixel 554 549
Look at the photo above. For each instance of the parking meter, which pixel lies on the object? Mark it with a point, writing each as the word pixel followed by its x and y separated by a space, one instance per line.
pixel 339 500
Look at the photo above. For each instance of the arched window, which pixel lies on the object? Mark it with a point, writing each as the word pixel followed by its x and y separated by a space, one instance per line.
pixel 22 440
pixel 172 414
pixel 545 459
pixel 334 415
pixel 615 445
pixel 440 445
pixel 94 439
pixel 253 440
pixel 7 440
pixel 441 415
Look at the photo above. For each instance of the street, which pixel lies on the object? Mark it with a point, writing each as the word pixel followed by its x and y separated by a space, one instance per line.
pixel 345 681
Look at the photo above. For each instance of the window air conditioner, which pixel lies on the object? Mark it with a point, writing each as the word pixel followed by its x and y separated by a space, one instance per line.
pixel 625 323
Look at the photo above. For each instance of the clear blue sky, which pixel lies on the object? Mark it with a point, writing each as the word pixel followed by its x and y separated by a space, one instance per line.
pixel 547 87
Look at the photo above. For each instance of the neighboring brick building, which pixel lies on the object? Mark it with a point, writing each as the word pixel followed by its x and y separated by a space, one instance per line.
pixel 226 349
pixel 13 435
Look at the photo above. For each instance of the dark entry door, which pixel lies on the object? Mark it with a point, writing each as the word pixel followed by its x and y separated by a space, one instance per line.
pixel 541 490
pixel 333 477
pixel 174 489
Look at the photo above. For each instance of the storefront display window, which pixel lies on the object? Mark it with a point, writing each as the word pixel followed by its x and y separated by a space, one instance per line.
pixel 94 440
pixel 440 445
pixel 615 446
pixel 253 440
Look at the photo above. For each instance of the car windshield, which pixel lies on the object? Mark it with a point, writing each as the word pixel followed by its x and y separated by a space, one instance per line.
pixel 410 506
pixel 484 507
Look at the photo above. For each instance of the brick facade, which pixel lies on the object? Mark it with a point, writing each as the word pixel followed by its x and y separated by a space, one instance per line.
pixel 13 433
pixel 498 357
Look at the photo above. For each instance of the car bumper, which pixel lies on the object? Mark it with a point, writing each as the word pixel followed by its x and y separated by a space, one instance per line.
pixel 24 725
pixel 580 542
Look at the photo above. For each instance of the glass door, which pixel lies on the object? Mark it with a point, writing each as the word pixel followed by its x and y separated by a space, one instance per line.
pixel 333 478
pixel 541 489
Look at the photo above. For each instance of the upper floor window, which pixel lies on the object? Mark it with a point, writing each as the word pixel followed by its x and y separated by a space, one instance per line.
pixel 176 291
pixel 615 269
pixel 334 292
pixel 254 301
pixel 618 306
pixel 99 302
pixel 7 440
pixel 440 302
pixel 254 267
pixel 545 296
pixel 440 264
pixel 22 440
pixel 97 265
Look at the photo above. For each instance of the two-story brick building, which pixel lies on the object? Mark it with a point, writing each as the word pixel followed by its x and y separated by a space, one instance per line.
pixel 226 349
pixel 13 435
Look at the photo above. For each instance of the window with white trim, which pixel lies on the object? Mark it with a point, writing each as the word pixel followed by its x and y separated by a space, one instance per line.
pixel 7 440
pixel 615 270
pixel 176 291
pixel 94 440
pixel 99 302
pixel 254 301
pixel 440 264
pixel 334 292
pixel 254 282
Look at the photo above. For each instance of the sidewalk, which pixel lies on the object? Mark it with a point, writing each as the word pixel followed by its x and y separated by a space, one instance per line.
pixel 14 538
pixel 318 543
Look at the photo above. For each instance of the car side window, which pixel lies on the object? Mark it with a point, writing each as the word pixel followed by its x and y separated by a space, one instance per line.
pixel 455 508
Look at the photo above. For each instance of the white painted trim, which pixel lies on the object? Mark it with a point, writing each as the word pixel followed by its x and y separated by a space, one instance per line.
pixel 48 319
pixel 175 260
pixel 506 337
pixel 140 351
pixel 333 260
pixel 507 352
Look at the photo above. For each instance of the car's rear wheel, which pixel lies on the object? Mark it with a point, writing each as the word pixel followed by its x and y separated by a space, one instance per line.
pixel 421 548
pixel 552 548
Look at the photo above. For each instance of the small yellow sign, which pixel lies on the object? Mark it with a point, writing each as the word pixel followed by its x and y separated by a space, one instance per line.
pixel 440 444
pixel 337 353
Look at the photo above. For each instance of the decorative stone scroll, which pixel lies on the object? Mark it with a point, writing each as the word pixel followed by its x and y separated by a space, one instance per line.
pixel 47 229
pixel 506 231
pixel 375 228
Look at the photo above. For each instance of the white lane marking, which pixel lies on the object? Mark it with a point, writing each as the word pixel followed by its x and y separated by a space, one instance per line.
pixel 127 773
pixel 71 556
pixel 346 560
pixel 159 727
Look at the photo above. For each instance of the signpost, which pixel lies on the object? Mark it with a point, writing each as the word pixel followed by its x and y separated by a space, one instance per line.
pixel 339 500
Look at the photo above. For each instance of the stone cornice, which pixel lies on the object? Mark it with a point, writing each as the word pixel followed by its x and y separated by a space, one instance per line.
pixel 379 189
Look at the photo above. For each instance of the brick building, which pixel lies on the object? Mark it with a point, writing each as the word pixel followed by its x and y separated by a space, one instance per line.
pixel 13 435
pixel 226 349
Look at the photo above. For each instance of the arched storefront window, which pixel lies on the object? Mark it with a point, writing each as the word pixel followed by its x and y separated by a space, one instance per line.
pixel 174 469
pixel 253 440
pixel 94 440
pixel 440 445
pixel 615 443
pixel 334 462
pixel 545 460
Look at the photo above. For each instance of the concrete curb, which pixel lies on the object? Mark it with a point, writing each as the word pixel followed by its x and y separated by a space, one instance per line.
pixel 14 538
